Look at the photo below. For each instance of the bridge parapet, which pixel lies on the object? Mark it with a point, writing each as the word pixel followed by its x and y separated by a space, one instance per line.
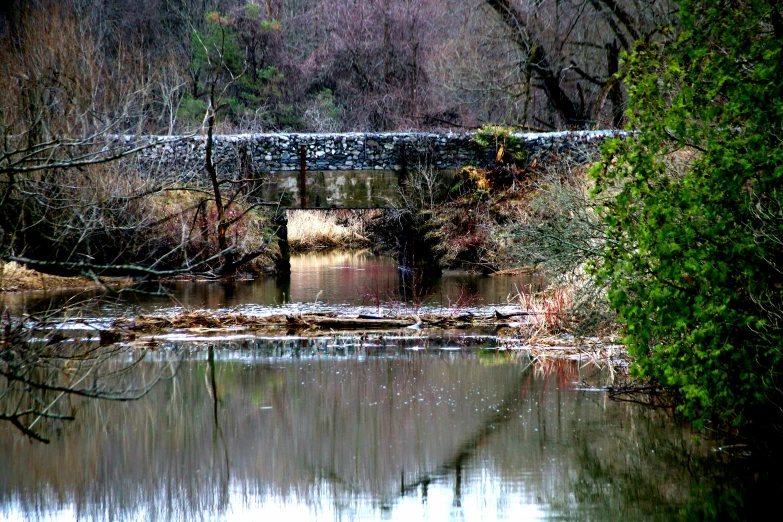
pixel 343 151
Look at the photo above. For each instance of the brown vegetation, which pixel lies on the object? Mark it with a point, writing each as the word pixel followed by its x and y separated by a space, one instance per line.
pixel 71 200
pixel 532 214
pixel 15 277
pixel 186 222
pixel 324 229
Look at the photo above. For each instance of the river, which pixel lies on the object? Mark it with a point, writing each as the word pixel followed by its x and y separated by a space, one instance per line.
pixel 349 282
pixel 397 426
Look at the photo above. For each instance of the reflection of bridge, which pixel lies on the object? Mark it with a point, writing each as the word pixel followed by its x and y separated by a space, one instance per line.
pixel 331 161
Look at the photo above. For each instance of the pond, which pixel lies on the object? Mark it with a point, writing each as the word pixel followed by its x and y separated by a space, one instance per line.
pixel 385 426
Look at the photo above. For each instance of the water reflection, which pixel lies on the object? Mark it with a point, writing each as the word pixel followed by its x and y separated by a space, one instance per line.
pixel 336 280
pixel 305 429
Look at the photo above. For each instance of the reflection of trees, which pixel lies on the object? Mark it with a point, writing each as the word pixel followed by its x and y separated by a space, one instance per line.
pixel 656 479
pixel 219 446
pixel 287 428
pixel 283 423
pixel 42 374
pixel 503 413
pixel 672 477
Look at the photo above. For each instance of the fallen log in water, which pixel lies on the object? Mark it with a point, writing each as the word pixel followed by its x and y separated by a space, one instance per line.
pixel 206 320
pixel 281 323
pixel 189 320
pixel 350 323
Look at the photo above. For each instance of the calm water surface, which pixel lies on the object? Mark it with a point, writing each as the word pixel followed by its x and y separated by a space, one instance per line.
pixel 374 427
pixel 321 429
pixel 348 282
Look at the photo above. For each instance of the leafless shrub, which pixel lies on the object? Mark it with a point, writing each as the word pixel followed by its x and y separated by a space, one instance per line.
pixel 557 230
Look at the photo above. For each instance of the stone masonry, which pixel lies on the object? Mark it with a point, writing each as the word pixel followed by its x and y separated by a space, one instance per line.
pixel 183 157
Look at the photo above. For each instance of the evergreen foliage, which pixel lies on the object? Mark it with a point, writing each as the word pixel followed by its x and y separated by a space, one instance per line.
pixel 507 146
pixel 695 253
pixel 221 57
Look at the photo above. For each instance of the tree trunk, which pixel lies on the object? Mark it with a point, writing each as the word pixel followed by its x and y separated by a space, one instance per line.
pixel 229 266
pixel 573 114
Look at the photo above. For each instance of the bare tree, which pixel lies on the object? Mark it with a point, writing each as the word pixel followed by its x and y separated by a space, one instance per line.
pixel 222 74
pixel 64 112
pixel 68 204
pixel 373 61
pixel 571 50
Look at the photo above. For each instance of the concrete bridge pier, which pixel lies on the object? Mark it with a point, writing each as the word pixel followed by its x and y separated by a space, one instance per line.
pixel 280 222
pixel 415 252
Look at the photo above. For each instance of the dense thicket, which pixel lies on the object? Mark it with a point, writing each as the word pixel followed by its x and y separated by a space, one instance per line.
pixel 66 199
pixel 694 259
pixel 373 65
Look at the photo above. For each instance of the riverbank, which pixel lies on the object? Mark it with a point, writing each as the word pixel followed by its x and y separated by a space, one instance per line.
pixel 18 278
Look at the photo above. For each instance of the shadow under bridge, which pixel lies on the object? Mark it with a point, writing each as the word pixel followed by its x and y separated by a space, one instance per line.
pixel 335 189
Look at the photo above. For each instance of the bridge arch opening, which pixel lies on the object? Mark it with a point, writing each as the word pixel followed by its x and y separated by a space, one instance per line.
pixel 340 228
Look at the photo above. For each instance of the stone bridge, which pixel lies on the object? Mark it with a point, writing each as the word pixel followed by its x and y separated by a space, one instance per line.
pixel 343 169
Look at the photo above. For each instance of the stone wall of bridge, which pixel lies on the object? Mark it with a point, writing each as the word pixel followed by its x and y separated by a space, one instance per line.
pixel 254 153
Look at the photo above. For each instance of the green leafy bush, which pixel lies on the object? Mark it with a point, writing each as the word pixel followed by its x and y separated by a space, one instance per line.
pixel 694 258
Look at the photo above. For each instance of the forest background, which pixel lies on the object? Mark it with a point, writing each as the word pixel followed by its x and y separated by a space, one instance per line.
pixel 76 72
pixel 345 65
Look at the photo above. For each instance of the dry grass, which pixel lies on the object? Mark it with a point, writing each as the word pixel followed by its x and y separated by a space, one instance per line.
pixel 189 219
pixel 547 311
pixel 319 230
pixel 15 277
pixel 571 305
